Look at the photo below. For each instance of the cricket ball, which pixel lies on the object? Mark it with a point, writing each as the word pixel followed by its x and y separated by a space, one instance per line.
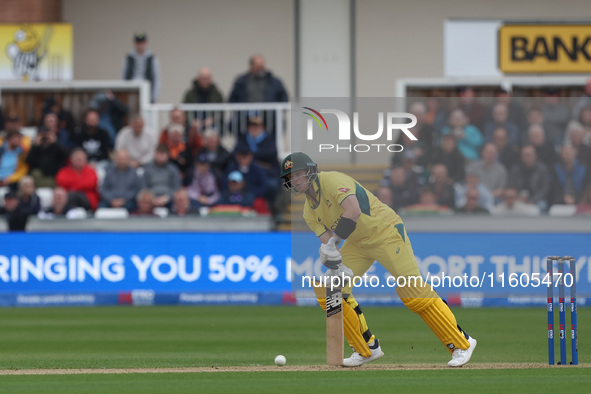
pixel 280 360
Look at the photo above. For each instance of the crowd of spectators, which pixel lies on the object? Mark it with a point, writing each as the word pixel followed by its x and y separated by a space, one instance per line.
pixel 505 158
pixel 182 169
pixel 111 159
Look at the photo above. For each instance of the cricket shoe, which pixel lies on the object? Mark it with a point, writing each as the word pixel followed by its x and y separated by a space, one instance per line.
pixel 357 359
pixel 460 357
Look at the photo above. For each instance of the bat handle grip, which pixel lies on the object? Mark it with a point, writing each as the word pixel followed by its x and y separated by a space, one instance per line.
pixel 332 264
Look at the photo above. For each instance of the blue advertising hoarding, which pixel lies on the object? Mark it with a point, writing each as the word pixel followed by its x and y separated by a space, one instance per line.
pixel 256 268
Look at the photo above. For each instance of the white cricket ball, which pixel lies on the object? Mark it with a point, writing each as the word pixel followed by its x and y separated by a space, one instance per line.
pixel 280 360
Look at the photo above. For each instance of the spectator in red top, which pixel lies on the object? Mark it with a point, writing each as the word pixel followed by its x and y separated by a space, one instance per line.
pixel 79 178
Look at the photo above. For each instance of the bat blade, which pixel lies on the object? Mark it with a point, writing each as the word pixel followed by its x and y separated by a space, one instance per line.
pixel 334 326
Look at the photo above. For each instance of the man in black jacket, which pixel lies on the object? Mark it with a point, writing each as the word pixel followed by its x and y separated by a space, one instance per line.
pixel 46 157
pixel 258 85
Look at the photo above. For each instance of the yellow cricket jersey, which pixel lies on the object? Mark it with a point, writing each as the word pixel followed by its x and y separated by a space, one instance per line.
pixel 377 220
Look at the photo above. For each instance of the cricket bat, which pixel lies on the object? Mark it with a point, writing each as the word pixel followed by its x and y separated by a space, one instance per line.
pixel 334 326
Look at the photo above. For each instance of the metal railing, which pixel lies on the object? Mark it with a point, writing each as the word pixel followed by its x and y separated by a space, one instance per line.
pixel 230 120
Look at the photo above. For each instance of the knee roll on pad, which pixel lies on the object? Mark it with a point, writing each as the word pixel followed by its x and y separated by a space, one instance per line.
pixel 352 328
pixel 418 305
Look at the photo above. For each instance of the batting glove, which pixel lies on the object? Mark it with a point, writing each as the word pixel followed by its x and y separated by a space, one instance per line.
pixel 329 253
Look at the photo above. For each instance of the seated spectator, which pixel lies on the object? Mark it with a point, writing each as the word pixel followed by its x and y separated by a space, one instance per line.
pixel 46 157
pixel 468 137
pixel 121 184
pixel 138 141
pixel 516 114
pixel 29 201
pixel 64 138
pixel 79 180
pixel 191 136
pixel 161 178
pixel 13 125
pixel 62 202
pixel 535 116
pixel 575 139
pixel 531 178
pixel 65 118
pixel 178 152
pixel 500 119
pixel 111 112
pixel 511 206
pixel 569 178
pixel 472 205
pixel 145 204
pixel 545 150
pixel 203 91
pixel 415 172
pixel 263 146
pixel 384 194
pixel 237 193
pixel 94 140
pixel 490 172
pixel 508 154
pixel 202 187
pixel 427 135
pixel 218 157
pixel 449 155
pixel 442 186
pixel 13 155
pixel 181 204
pixel 427 203
pixel 556 117
pixel 472 181
pixel 436 116
pixel 404 191
pixel 416 152
pixel 584 206
pixel 474 110
pixel 16 216
pixel 254 175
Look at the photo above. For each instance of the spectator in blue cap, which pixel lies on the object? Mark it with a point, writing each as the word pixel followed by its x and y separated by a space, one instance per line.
pixel 236 193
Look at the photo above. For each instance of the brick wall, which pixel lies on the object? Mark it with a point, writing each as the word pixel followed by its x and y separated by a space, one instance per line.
pixel 30 11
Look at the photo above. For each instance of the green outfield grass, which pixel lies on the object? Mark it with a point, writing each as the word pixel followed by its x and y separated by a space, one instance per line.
pixel 169 337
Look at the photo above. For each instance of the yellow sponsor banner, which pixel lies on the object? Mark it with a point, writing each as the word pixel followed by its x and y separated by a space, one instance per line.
pixel 36 52
pixel 545 49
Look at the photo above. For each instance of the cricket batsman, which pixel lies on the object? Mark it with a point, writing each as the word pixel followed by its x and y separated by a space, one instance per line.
pixel 339 208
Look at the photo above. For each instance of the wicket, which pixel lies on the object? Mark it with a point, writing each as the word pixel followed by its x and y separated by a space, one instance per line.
pixel 561 309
